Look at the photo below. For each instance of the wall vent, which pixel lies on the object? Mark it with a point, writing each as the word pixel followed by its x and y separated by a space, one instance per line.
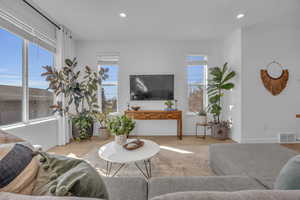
pixel 287 138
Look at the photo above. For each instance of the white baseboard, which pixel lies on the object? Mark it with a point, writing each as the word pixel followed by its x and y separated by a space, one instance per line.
pixel 263 140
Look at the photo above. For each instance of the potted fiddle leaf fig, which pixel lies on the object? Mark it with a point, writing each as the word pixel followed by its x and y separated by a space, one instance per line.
pixel 78 88
pixel 219 83
pixel 120 126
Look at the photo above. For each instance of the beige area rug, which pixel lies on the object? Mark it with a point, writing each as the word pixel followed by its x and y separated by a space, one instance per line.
pixel 186 160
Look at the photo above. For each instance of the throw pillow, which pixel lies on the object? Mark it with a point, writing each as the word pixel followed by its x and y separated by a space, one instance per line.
pixel 8 138
pixel 289 176
pixel 18 168
pixel 64 176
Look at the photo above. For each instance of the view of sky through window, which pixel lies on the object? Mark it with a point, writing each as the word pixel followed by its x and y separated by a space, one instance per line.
pixel 11 59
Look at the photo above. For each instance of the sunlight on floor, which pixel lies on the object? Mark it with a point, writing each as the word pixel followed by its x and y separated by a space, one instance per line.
pixel 176 150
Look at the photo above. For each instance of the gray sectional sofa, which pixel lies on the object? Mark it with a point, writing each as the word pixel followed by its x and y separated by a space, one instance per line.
pixel 262 162
pixel 249 168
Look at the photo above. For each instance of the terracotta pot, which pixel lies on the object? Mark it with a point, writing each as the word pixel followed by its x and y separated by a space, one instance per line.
pixel 104 133
pixel 219 132
pixel 120 139
pixel 203 119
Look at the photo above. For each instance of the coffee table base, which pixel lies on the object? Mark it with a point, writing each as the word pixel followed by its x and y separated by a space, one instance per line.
pixel 147 173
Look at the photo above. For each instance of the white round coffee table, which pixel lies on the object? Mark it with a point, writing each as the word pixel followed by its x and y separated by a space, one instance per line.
pixel 114 153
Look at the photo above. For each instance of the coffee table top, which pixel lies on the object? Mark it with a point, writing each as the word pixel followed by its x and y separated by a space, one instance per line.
pixel 115 153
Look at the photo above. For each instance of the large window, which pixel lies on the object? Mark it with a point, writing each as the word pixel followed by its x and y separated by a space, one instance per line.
pixel 10 78
pixel 23 94
pixel 196 81
pixel 40 99
pixel 109 88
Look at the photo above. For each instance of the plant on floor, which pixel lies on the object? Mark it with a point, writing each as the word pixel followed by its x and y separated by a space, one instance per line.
pixel 76 88
pixel 202 116
pixel 102 118
pixel 120 126
pixel 217 85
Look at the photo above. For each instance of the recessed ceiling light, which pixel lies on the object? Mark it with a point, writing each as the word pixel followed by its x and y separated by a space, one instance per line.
pixel 123 15
pixel 240 16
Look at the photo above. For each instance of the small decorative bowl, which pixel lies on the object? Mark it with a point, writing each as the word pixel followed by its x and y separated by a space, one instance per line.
pixel 135 108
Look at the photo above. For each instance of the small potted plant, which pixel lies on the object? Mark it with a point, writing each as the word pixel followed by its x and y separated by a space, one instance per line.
pixel 120 126
pixel 202 117
pixel 102 118
pixel 169 105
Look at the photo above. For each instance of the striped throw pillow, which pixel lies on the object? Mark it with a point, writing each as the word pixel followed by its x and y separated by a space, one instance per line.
pixel 18 168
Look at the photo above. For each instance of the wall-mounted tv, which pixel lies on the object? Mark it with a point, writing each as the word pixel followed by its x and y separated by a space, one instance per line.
pixel 151 87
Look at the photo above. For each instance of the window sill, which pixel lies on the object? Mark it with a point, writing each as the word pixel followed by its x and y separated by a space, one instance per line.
pixel 31 122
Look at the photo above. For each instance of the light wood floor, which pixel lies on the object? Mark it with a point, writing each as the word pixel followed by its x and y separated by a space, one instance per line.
pixel 79 149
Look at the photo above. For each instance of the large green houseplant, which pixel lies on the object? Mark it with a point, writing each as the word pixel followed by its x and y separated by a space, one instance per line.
pixel 78 89
pixel 120 126
pixel 217 85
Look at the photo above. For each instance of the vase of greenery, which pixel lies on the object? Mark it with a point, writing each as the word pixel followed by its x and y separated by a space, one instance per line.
pixel 169 105
pixel 77 89
pixel 217 85
pixel 120 127
pixel 202 117
pixel 102 118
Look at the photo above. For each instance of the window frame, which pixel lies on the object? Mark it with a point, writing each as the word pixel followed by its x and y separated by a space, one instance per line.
pixel 108 84
pixel 205 84
pixel 25 89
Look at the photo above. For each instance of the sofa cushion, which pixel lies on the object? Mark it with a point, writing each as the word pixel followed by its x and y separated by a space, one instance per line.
pixel 241 195
pixel 10 196
pixel 164 185
pixel 18 168
pixel 260 161
pixel 64 176
pixel 289 176
pixel 126 188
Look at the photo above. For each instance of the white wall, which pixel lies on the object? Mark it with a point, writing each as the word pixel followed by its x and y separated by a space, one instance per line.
pixel 264 115
pixel 152 57
pixel 233 99
pixel 43 132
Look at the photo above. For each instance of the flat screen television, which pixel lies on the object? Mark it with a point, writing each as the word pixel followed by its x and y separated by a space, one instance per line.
pixel 151 87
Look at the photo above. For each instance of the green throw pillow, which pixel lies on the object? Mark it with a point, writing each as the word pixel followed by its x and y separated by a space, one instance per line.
pixel 64 176
pixel 289 176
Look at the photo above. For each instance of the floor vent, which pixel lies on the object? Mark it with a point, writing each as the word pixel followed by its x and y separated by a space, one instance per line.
pixel 287 138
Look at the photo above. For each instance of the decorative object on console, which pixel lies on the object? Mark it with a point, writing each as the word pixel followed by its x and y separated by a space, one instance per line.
pixel 169 105
pixel 176 104
pixel 216 86
pixel 80 92
pixel 135 108
pixel 102 118
pixel 275 85
pixel 120 126
pixel 135 144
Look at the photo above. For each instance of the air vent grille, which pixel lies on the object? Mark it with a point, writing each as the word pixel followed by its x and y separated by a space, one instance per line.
pixel 287 138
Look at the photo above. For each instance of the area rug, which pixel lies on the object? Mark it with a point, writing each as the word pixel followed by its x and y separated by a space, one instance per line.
pixel 186 160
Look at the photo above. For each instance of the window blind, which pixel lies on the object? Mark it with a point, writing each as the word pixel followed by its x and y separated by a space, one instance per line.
pixel 108 60
pixel 19 18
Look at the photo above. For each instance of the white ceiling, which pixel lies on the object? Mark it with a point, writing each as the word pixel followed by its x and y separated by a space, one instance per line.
pixel 163 19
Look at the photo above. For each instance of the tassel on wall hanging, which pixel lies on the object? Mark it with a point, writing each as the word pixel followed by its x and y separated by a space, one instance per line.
pixel 275 85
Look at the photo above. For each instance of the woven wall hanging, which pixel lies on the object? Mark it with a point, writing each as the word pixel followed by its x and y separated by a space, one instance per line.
pixel 275 85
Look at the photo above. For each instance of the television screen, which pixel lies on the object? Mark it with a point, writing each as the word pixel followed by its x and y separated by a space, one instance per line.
pixel 151 87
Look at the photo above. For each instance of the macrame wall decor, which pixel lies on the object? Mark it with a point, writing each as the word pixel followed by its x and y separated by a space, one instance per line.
pixel 275 85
